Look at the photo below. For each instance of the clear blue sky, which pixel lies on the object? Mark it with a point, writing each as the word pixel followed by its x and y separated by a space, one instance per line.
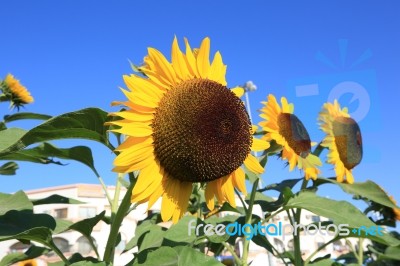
pixel 72 54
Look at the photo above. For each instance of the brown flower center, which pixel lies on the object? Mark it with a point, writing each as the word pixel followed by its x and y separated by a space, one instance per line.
pixel 294 132
pixel 202 131
pixel 348 141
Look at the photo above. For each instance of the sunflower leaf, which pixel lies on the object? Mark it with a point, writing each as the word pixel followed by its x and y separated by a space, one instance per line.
pixel 367 189
pixel 17 201
pixel 83 124
pixel 9 168
pixel 43 152
pixel 179 256
pixel 25 115
pixel 341 213
pixel 55 199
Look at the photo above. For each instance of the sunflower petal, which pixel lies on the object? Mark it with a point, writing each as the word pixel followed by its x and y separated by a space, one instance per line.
pixel 253 164
pixel 203 58
pixel 259 145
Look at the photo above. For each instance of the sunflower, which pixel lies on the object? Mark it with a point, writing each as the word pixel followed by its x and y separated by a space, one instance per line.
pixel 14 92
pixel 396 211
pixel 31 262
pixel 287 130
pixel 343 139
pixel 183 126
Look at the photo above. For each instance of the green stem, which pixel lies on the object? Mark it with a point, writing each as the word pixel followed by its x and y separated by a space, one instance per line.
pixel 103 185
pixel 93 247
pixel 53 247
pixel 296 236
pixel 117 191
pixel 241 200
pixel 232 251
pixel 249 216
pixel 360 251
pixel 116 224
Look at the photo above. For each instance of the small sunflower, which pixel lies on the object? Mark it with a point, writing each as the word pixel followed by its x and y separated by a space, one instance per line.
pixel 183 126
pixel 396 211
pixel 14 92
pixel 288 131
pixel 343 139
pixel 31 262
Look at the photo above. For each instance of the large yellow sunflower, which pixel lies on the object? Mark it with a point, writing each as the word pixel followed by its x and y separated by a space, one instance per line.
pixel 343 139
pixel 183 125
pixel 15 92
pixel 288 131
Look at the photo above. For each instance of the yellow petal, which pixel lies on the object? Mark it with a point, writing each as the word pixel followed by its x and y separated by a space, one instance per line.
pixel 253 164
pixel 239 180
pixel 155 196
pixel 169 199
pixel 203 58
pixel 259 145
pixel 142 85
pixel 238 91
pixel 163 67
pixel 130 141
pixel 149 179
pixel 135 153
pixel 185 190
pixel 178 61
pixel 209 195
pixel 228 189
pixel 191 60
pixel 217 70
pixel 134 129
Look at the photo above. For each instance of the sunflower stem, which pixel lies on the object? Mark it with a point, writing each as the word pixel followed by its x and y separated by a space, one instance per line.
pixel 296 237
pixel 360 251
pixel 117 221
pixel 249 216
pixel 54 248
pixel 241 200
pixel 232 251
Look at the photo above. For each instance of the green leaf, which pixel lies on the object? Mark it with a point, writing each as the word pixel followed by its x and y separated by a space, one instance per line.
pixel 323 262
pixel 340 212
pixel 77 258
pixel 41 153
pixel 392 253
pixel 85 227
pixel 368 189
pixel 25 115
pixel 26 225
pixel 56 199
pixel 152 238
pixel 8 168
pixel 61 226
pixel 178 256
pixel 83 124
pixel 31 253
pixel 280 186
pixel 141 229
pixel 17 201
pixel 10 136
pixel 179 233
